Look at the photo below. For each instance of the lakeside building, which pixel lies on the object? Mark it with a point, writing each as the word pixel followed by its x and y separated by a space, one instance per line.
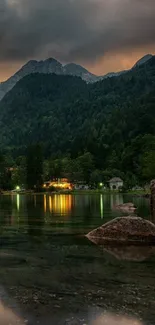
pixel 116 183
pixel 59 183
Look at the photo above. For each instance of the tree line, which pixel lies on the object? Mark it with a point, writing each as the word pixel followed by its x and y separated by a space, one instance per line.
pixel 90 132
pixel 32 170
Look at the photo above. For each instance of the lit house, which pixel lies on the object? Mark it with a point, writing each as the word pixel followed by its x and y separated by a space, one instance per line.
pixel 59 183
pixel 115 183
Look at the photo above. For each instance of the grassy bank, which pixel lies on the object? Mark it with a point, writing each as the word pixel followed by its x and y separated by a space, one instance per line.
pixel 81 192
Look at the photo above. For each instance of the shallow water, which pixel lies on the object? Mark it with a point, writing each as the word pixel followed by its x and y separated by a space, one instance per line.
pixel 51 274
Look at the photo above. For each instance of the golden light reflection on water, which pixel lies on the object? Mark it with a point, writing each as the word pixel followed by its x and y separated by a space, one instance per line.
pixel 45 203
pixel 50 203
pixel 59 204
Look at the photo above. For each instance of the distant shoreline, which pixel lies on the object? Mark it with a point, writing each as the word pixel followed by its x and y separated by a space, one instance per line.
pixel 139 193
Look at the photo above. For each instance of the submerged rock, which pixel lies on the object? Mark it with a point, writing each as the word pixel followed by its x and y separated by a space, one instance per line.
pixel 124 229
pixel 126 207
pixel 152 199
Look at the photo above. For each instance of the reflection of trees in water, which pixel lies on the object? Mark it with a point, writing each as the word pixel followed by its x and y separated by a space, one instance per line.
pixel 6 209
pixel 83 206
pixel 35 217
pixel 143 207
pixel 69 210
pixel 116 199
pixel 86 209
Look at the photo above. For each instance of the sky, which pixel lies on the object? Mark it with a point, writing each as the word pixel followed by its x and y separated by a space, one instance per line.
pixel 101 35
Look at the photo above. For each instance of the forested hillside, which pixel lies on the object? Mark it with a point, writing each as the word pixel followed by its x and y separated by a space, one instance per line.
pixel 113 120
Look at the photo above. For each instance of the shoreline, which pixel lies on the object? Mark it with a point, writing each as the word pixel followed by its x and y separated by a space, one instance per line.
pixel 144 194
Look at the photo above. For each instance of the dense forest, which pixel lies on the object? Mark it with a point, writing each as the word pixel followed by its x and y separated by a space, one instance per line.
pixel 87 131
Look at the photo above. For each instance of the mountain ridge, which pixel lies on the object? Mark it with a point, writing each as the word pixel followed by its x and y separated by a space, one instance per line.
pixel 51 65
pixel 45 98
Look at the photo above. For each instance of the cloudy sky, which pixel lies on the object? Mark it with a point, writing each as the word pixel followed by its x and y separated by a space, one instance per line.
pixel 102 35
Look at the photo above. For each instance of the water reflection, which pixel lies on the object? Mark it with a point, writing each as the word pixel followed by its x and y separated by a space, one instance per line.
pixel 34 220
pixel 45 203
pixel 35 200
pixel 83 211
pixel 101 205
pixel 116 200
pixel 58 204
pixel 18 202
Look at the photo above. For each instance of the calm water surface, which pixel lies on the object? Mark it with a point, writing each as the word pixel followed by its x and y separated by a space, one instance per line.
pixel 51 274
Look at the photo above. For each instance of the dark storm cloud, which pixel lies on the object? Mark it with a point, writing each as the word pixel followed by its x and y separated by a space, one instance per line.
pixel 73 29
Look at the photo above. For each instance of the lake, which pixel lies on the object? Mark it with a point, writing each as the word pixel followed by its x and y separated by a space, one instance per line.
pixel 51 274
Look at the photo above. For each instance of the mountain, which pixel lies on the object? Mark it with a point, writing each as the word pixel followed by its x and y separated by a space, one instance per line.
pixel 76 70
pixel 113 74
pixel 48 66
pixel 51 65
pixel 113 119
pixel 143 60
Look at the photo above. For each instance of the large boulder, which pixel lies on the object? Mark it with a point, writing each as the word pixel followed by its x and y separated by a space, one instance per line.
pixel 124 229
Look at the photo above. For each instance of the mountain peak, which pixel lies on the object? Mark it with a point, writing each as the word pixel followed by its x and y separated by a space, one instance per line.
pixel 74 66
pixel 51 65
pixel 51 60
pixel 79 71
pixel 29 64
pixel 143 60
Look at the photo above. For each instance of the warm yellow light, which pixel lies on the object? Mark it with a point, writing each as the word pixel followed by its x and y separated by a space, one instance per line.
pixel 45 204
pixel 64 184
pixel 50 203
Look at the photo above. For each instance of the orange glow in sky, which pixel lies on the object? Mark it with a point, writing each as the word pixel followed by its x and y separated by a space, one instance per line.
pixel 110 62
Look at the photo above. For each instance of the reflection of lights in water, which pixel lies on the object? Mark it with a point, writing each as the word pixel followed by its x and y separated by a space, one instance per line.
pixel 101 205
pixel 50 203
pixel 69 202
pixel 107 319
pixel 18 202
pixel 45 204
pixel 59 204
pixel 35 202
pixel 63 204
